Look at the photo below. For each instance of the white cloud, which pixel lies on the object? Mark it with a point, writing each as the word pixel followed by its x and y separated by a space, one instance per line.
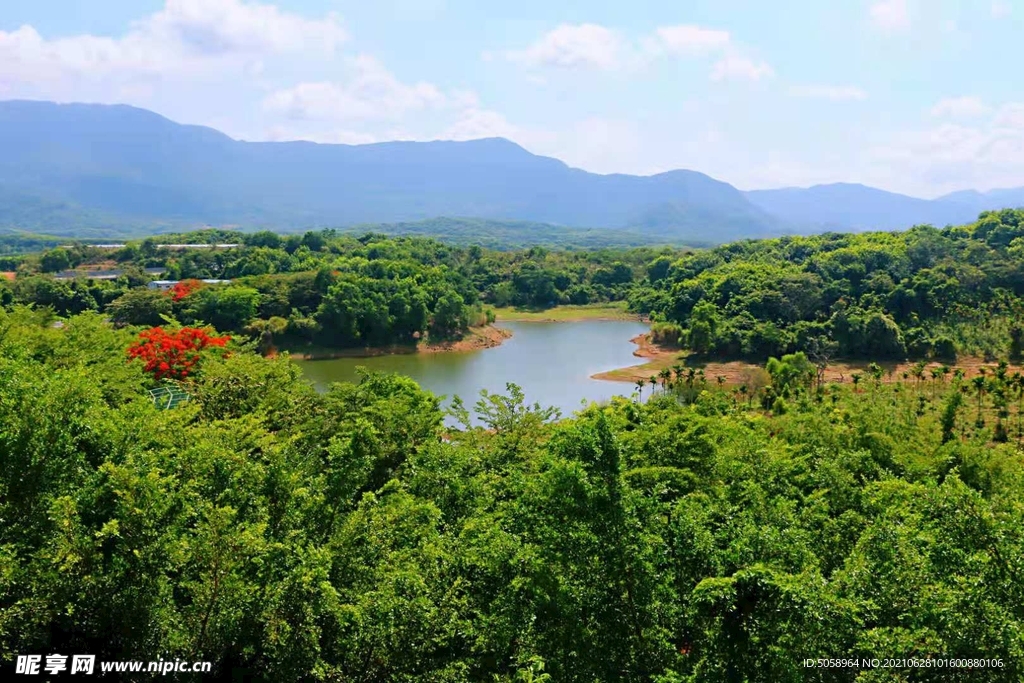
pixel 573 46
pixel 737 67
pixel 371 93
pixel 222 26
pixel 890 15
pixel 477 123
pixel 1000 9
pixel 1010 116
pixel 959 107
pixel 689 39
pixel 952 156
pixel 186 36
pixel 250 69
pixel 601 48
pixel 828 92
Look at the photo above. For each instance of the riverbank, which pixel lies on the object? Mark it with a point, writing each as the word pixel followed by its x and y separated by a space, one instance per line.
pixel 658 358
pixel 566 314
pixel 740 372
pixel 477 339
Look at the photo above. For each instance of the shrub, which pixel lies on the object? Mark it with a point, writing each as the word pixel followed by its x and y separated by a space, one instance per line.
pixel 667 334
pixel 944 348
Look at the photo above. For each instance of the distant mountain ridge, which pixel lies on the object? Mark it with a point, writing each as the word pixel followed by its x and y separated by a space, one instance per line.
pixel 848 206
pixel 67 168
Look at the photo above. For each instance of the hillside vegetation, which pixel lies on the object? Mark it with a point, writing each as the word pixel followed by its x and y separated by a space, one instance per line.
pixel 287 535
pixel 921 293
pixel 321 289
pixel 170 487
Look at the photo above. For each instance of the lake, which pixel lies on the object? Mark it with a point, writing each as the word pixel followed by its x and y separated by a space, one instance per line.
pixel 552 362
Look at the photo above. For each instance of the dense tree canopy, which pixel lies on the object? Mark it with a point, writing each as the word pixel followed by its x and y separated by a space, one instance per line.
pixel 335 290
pixel 288 535
pixel 919 293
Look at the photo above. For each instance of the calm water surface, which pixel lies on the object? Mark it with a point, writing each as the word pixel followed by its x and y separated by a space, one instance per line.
pixel 552 362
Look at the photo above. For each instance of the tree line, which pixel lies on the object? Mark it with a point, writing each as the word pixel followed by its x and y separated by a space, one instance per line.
pixel 325 288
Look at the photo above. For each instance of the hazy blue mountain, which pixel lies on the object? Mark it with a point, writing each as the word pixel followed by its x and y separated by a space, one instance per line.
pixel 982 201
pixel 91 169
pixel 845 206
pixel 120 165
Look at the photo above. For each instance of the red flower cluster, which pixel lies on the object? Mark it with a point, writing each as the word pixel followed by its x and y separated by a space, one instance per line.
pixel 182 289
pixel 172 355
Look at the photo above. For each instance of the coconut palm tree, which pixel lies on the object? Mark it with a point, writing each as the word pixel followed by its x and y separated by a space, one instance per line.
pixel 1017 383
pixel 640 389
pixel 677 372
pixel 979 387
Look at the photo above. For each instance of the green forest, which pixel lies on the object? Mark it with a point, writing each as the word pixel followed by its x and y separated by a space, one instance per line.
pixel 922 293
pixel 323 288
pixel 925 292
pixel 169 488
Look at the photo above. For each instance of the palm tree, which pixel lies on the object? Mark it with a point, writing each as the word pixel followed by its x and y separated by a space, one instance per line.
pixel 640 389
pixel 936 374
pixel 918 371
pixel 979 386
pixel 677 371
pixel 1017 382
pixel 876 371
pixel 665 376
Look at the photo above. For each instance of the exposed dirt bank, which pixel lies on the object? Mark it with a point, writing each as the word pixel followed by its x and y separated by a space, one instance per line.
pixel 478 338
pixel 658 358
pixel 739 372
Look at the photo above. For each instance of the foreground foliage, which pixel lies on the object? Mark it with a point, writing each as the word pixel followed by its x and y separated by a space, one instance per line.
pixel 289 535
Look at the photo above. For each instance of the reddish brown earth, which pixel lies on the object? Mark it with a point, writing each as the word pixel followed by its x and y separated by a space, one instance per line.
pixel 738 372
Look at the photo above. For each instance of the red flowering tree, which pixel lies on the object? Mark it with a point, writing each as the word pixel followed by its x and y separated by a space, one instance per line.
pixel 173 355
pixel 182 289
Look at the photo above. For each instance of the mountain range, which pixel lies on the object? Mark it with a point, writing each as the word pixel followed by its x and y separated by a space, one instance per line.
pixel 68 168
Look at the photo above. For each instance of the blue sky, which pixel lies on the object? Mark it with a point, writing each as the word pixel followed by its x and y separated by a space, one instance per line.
pixel 917 96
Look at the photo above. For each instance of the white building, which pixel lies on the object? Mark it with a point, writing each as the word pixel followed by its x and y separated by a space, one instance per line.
pixel 167 284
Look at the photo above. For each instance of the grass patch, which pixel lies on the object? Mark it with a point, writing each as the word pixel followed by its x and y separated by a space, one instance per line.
pixel 607 311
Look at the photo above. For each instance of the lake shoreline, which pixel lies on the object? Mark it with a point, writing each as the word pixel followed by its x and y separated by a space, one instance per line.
pixel 658 357
pixel 737 372
pixel 477 339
